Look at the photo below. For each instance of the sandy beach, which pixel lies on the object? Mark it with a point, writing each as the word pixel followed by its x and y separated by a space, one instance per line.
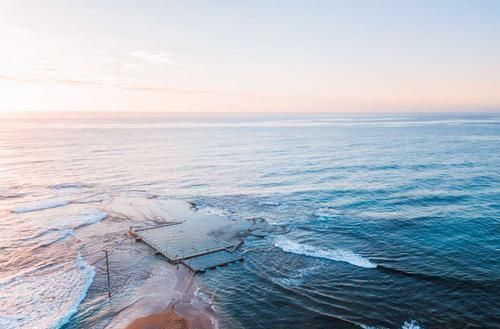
pixel 182 312
pixel 165 320
pixel 172 320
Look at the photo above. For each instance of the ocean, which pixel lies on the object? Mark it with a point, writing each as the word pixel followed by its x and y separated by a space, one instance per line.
pixel 386 221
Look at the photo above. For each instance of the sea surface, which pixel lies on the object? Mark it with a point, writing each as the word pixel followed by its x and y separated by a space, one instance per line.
pixel 392 221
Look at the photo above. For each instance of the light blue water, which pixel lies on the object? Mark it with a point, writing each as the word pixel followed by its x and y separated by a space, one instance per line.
pixel 393 220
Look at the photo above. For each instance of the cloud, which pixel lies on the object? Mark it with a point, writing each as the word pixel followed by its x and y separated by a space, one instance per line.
pixel 105 83
pixel 18 79
pixel 153 57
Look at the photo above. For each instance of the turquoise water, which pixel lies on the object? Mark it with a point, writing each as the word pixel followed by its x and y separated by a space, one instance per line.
pixel 392 221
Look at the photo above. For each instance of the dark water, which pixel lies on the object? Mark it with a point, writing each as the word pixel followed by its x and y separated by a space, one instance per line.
pixel 394 221
pixel 420 200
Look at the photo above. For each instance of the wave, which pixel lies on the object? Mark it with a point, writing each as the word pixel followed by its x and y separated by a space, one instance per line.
pixel 411 325
pixel 431 200
pixel 406 325
pixel 269 203
pixel 55 294
pixel 64 227
pixel 339 255
pixel 59 237
pixel 86 219
pixel 448 281
pixel 296 278
pixel 6 194
pixel 75 185
pixel 89 271
pixel 42 205
pixel 205 297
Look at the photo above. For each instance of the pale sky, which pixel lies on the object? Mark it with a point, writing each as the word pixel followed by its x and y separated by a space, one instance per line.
pixel 250 56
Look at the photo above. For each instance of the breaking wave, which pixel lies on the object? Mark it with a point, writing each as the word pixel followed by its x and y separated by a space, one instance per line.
pixel 338 255
pixel 87 271
pixel 47 305
pixel 411 325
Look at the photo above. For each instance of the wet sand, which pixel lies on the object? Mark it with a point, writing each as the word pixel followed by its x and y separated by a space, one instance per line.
pixel 181 313
pixel 172 320
pixel 164 320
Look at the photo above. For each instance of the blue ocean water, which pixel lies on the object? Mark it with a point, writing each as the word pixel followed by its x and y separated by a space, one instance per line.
pixel 392 221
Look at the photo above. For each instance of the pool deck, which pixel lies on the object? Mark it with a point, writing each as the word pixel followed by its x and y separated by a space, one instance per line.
pixel 189 244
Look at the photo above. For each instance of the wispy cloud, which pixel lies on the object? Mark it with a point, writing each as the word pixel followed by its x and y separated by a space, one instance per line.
pixel 18 79
pixel 153 57
pixel 106 83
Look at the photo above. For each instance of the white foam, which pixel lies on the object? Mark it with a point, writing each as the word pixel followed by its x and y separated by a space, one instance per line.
pixel 326 212
pixel 296 278
pixel 209 210
pixel 90 274
pixel 41 205
pixel 339 255
pixel 203 296
pixel 270 203
pixel 367 327
pixel 411 325
pixel 407 325
pixel 46 298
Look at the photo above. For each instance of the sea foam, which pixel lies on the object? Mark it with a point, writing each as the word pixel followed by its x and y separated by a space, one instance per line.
pixel 296 278
pixel 46 298
pixel 339 255
pixel 88 272
pixel 411 325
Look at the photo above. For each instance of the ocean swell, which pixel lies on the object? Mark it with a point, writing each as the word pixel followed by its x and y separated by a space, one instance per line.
pixel 76 185
pixel 47 204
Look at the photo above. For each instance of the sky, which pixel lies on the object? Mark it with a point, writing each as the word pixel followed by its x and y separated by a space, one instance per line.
pixel 250 56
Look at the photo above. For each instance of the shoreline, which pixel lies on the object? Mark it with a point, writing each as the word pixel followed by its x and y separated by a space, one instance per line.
pixel 179 305
pixel 167 297
pixel 184 311
pixel 144 285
